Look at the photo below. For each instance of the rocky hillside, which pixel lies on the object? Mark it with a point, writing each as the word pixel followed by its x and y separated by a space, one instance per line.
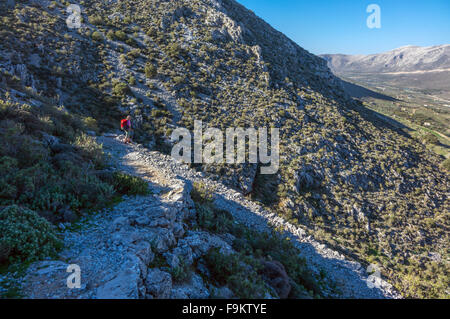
pixel 183 241
pixel 348 178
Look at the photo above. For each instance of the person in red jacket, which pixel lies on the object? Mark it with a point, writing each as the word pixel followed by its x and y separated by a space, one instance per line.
pixel 125 125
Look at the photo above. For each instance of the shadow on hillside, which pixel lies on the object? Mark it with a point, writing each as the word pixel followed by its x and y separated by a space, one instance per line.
pixel 358 91
pixel 380 121
pixel 384 122
pixel 346 278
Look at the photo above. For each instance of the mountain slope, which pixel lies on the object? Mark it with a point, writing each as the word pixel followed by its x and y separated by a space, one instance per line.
pixel 114 238
pixel 351 179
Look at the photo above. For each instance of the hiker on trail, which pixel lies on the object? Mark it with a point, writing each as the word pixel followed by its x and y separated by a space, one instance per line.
pixel 125 125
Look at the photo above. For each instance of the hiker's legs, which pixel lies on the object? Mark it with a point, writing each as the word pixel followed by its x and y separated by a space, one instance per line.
pixel 130 135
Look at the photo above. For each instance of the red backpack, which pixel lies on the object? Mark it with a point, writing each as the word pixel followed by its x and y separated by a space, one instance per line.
pixel 124 124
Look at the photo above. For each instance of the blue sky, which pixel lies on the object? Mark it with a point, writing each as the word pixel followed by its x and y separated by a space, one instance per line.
pixel 339 26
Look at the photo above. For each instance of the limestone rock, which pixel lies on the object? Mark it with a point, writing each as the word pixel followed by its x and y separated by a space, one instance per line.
pixel 124 286
pixel 194 289
pixel 159 284
pixel 201 242
pixel 185 253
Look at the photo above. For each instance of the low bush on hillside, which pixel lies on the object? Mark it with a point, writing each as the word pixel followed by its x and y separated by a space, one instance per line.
pixel 46 163
pixel 446 164
pixel 111 35
pixel 95 19
pixel 240 277
pixel 120 89
pixel 131 80
pixel 120 35
pixel 150 70
pixel 97 36
pixel 25 236
pixel 131 185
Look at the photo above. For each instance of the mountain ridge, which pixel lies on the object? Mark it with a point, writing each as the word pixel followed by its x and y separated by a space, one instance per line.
pixel 403 59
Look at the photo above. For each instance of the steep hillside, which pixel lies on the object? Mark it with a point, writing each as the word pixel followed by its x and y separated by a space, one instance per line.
pixel 346 176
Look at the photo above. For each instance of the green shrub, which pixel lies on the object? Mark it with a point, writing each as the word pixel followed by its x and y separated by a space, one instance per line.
pixel 130 185
pixel 182 273
pixel 42 187
pixel 232 270
pixel 150 70
pixel 111 35
pixel 131 80
pixel 178 80
pixel 446 164
pixel 25 236
pixel 208 216
pixel 200 193
pixel 97 36
pixel 47 180
pixel 214 220
pixel 174 50
pixel 121 89
pixel 94 19
pixel 90 124
pixel 120 35
pixel 90 149
pixel 16 143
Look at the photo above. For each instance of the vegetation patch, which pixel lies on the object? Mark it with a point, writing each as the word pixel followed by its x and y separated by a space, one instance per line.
pixel 130 185
pixel 25 236
pixel 244 272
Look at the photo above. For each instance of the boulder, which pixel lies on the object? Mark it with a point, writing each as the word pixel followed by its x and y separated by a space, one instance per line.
pixel 275 275
pixel 124 286
pixel 163 239
pixel 172 260
pixel 185 253
pixel 194 289
pixel 158 284
pixel 218 36
pixel 201 242
pixel 144 252
pixel 119 223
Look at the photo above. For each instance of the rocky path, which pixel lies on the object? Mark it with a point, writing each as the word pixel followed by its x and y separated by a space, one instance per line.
pixel 115 247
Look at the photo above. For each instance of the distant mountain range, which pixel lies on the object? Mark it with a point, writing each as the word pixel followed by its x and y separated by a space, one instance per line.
pixel 405 59
pixel 423 70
